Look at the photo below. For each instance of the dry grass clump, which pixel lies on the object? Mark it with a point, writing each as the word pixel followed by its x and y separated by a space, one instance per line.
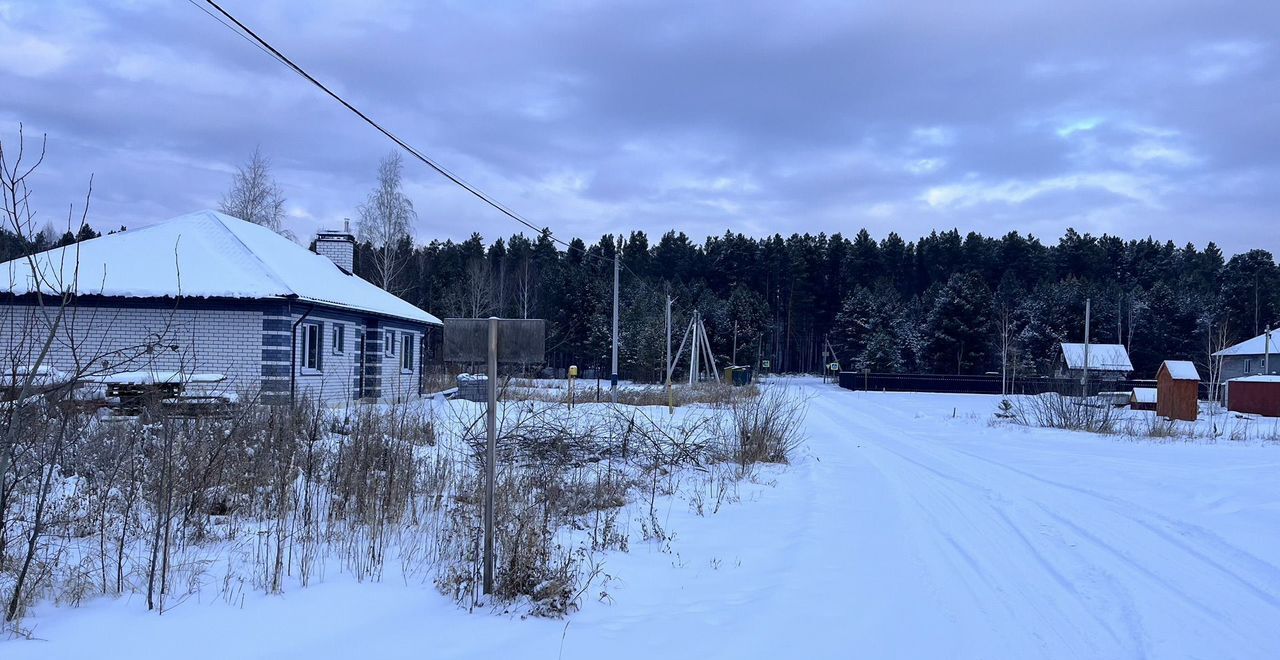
pixel 764 428
pixel 632 395
pixel 271 498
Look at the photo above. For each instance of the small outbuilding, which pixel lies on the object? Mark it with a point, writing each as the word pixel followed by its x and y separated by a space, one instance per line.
pixel 1178 390
pixel 1143 398
pixel 1258 395
pixel 1102 362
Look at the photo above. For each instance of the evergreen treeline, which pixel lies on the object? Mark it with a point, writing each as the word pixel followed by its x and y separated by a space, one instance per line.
pixel 13 246
pixel 946 303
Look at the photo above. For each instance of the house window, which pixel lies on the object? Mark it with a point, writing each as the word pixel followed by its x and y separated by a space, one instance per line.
pixel 389 342
pixel 1248 366
pixel 311 346
pixel 406 352
pixel 339 338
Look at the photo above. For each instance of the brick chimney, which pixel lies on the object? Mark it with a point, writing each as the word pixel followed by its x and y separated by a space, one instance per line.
pixel 339 246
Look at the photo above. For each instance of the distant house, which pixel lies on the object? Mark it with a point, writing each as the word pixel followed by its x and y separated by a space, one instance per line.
pixel 1178 390
pixel 1106 362
pixel 1251 357
pixel 1144 398
pixel 205 294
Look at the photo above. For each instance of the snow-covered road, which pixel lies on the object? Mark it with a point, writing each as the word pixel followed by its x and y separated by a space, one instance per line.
pixel 1010 543
pixel 909 527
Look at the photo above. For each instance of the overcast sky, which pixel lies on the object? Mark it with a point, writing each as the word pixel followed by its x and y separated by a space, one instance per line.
pixel 1133 118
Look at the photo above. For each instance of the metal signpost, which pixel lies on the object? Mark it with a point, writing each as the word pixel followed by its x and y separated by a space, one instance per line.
pixel 493 340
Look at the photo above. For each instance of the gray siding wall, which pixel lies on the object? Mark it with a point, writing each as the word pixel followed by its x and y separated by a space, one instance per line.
pixel 398 383
pixel 1235 366
pixel 107 340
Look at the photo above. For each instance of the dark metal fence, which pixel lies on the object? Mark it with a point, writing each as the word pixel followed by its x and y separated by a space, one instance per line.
pixel 977 383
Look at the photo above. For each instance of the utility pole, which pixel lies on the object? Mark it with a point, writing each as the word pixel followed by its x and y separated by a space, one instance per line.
pixel 1119 319
pixel 1084 380
pixel 693 351
pixel 1255 302
pixel 490 454
pixel 1266 352
pixel 613 376
pixel 824 362
pixel 735 343
pixel 666 360
pixel 706 346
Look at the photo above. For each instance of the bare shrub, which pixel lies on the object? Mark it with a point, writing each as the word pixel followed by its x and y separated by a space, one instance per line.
pixel 764 428
pixel 269 498
pixel 1053 410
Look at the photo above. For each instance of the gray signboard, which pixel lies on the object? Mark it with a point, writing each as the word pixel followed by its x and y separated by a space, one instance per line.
pixel 519 340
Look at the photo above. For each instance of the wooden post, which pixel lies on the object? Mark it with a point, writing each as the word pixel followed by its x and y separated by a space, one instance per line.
pixel 613 376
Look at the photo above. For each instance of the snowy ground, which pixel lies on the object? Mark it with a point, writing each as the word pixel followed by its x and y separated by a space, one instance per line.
pixel 909 527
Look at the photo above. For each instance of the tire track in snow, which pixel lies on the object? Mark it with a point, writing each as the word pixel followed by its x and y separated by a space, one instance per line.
pixel 1173 564
pixel 1124 508
pixel 987 513
pixel 1261 570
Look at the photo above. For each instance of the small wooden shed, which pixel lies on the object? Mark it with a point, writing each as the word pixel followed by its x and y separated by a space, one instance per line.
pixel 1259 395
pixel 1178 390
pixel 1143 398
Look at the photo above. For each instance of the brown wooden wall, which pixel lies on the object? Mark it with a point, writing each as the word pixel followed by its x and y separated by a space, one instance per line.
pixel 1259 398
pixel 1176 399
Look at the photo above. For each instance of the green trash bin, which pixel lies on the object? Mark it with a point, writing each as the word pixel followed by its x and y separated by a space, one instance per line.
pixel 737 376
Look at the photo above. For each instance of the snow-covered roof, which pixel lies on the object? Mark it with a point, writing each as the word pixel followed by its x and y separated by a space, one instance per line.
pixel 1181 370
pixel 205 254
pixel 152 377
pixel 1102 357
pixel 1260 378
pixel 1144 395
pixel 1255 346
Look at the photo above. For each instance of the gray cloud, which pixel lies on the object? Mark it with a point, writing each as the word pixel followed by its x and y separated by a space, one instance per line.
pixel 1151 118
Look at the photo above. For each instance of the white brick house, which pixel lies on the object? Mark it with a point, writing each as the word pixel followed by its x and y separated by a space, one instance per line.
pixel 208 293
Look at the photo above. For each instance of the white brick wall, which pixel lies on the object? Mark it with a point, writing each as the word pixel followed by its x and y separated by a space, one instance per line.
pixel 105 340
pixel 340 250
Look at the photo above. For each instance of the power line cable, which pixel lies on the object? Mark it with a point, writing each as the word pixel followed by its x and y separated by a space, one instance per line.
pixel 233 30
pixel 246 33
pixel 282 58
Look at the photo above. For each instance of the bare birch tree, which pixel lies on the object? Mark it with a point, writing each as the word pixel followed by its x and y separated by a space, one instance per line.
pixel 254 195
pixel 385 219
pixel 1004 321
pixel 1219 338
pixel 525 289
pixel 473 296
